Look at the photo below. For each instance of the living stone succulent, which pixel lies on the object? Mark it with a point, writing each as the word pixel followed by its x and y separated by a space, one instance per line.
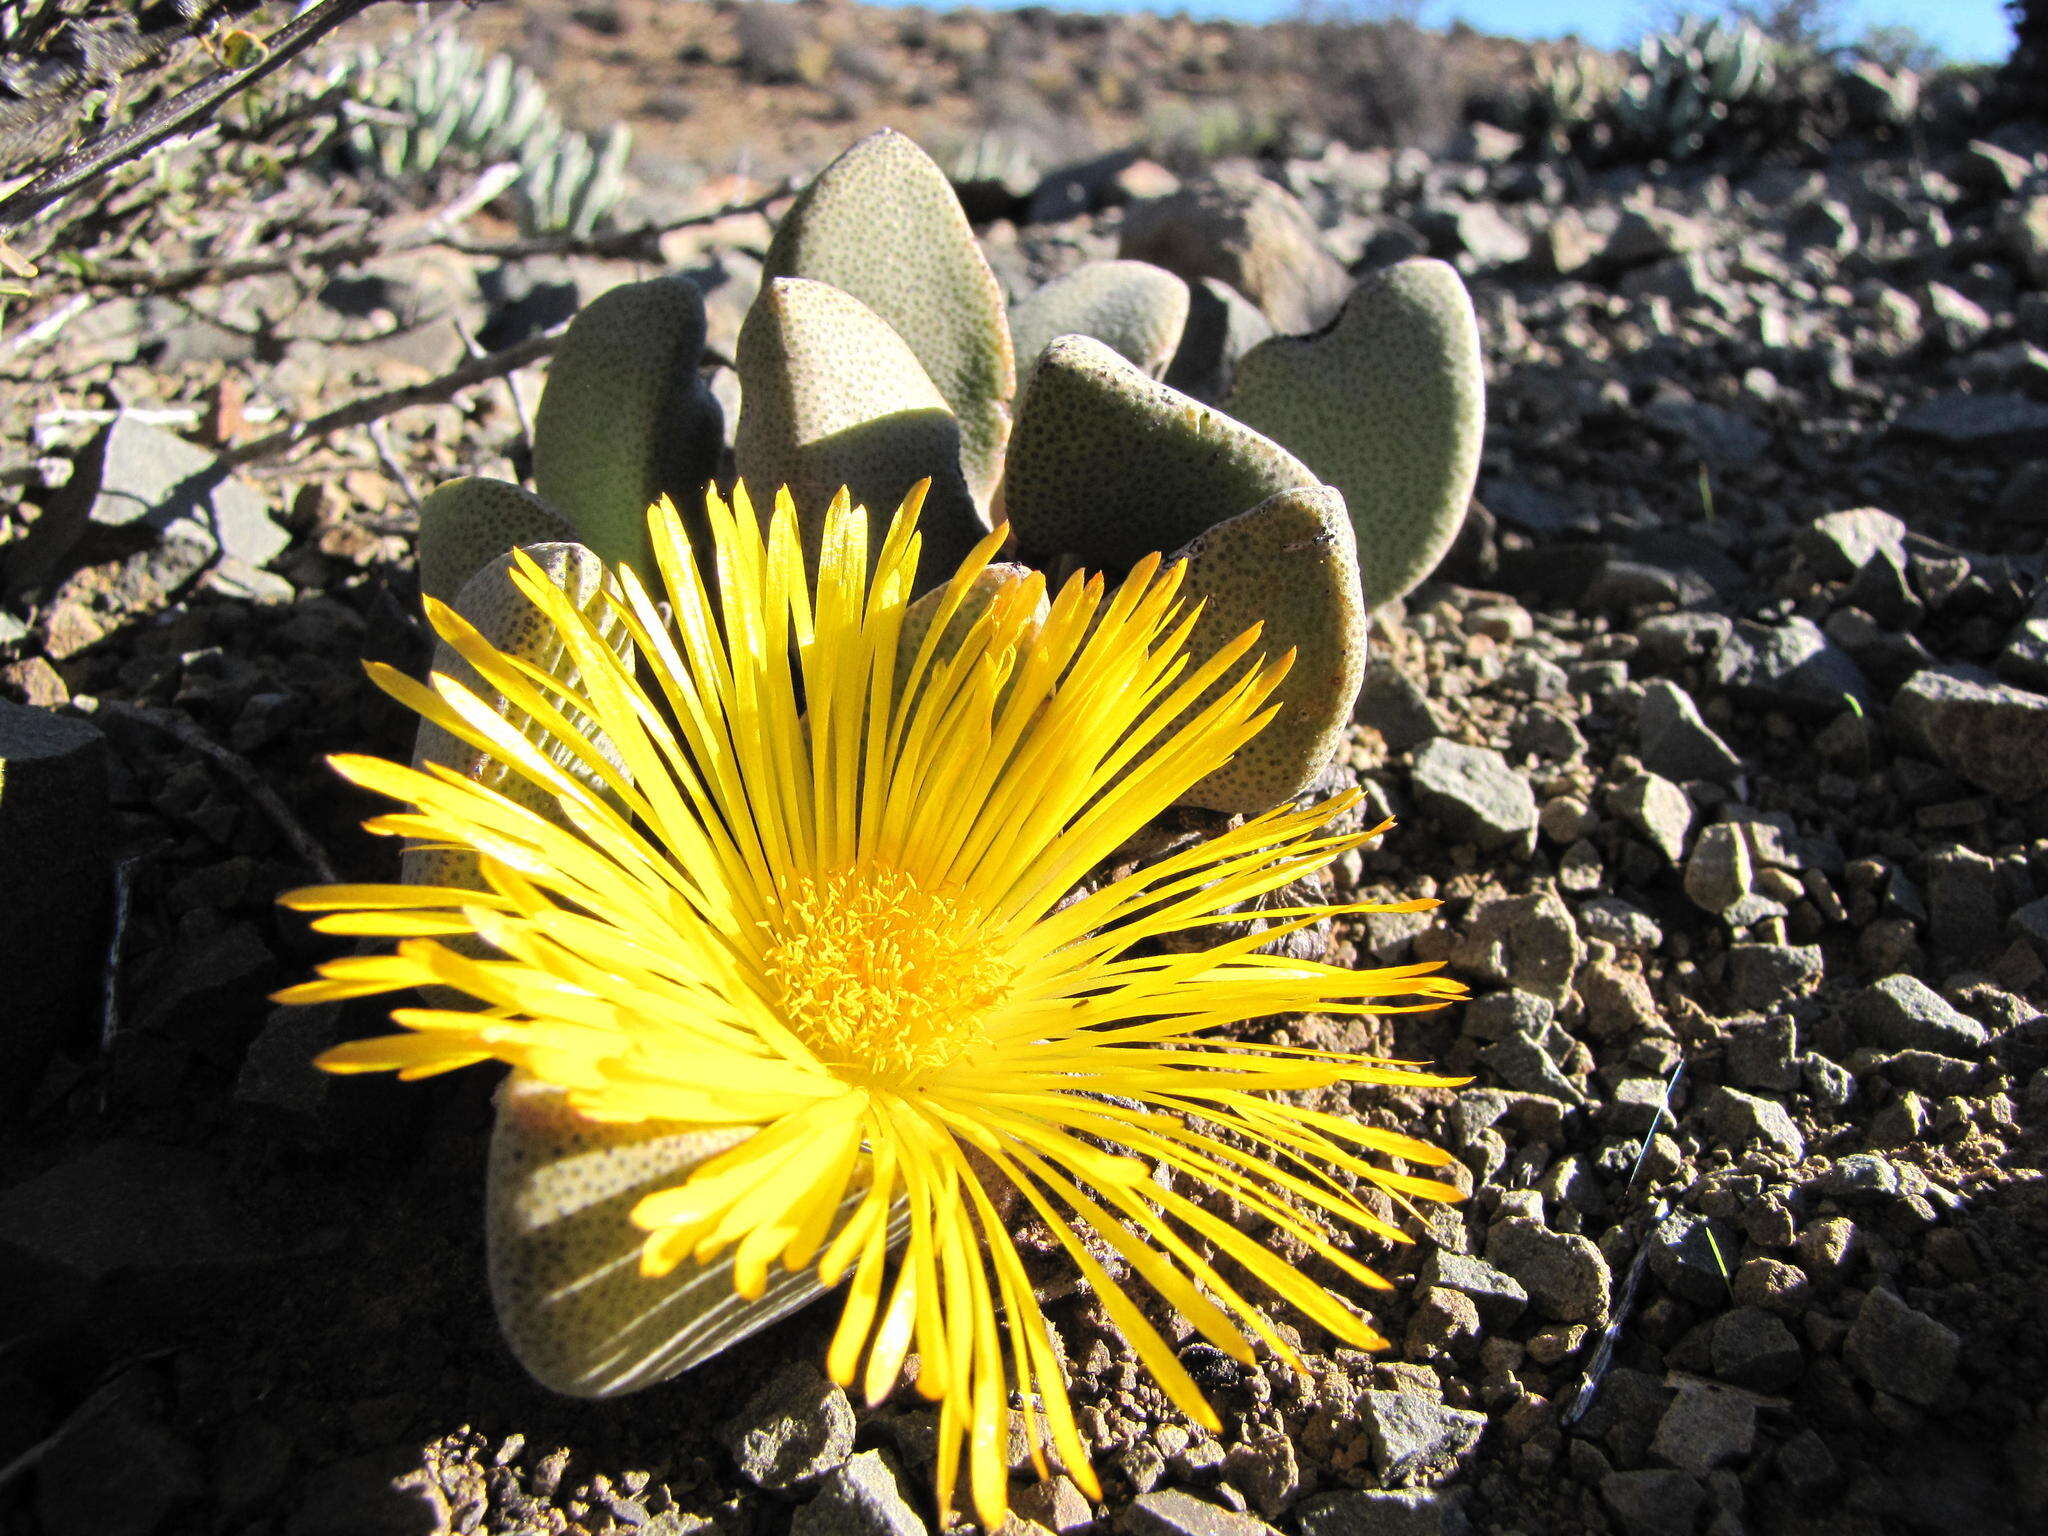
pixel 879 355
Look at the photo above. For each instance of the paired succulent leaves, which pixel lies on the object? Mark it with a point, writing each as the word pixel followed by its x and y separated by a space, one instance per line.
pixel 1332 476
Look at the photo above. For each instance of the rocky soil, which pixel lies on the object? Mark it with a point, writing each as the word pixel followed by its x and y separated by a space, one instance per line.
pixel 1722 735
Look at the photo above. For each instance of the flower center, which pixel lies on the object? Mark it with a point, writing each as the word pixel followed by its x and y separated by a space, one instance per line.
pixel 880 976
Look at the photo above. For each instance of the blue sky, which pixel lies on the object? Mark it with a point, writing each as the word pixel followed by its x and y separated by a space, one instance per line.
pixel 1963 29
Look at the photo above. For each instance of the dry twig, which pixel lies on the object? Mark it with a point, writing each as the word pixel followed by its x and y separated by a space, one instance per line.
pixel 360 413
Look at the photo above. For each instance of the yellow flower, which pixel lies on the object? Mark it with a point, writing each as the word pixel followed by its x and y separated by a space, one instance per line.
pixel 800 884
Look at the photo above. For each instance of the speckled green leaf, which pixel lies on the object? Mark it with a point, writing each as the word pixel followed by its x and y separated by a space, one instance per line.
pixel 833 397
pixel 1290 563
pixel 1135 308
pixel 504 616
pixel 626 418
pixel 882 222
pixel 468 523
pixel 564 1255
pixel 994 581
pixel 1388 404
pixel 1108 465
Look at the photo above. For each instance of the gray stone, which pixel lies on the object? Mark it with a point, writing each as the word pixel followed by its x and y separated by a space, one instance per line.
pixel 1743 1119
pixel 1763 1053
pixel 1523 1063
pixel 1882 591
pixel 1657 809
pixel 1222 326
pixel 1694 1258
pixel 1498 1015
pixel 1901 1351
pixel 1170 1512
pixel 1716 434
pixel 1956 323
pixel 1412 1434
pixel 1635 1104
pixel 1385 1512
pixel 1705 1428
pixel 1674 741
pixel 1476 231
pixel 1653 1502
pixel 55 857
pixel 1753 1348
pixel 1614 921
pixel 1055 1504
pixel 1564 1274
pixel 1861 1178
pixel 1237 226
pixel 1718 874
pixel 2024 661
pixel 1528 942
pixel 1839 544
pixel 1987 169
pixel 1474 795
pixel 1651 234
pixel 133 478
pixel 1807 1465
pixel 797 1427
pixel 860 1498
pixel 1764 975
pixel 1500 1298
pixel 2005 424
pixel 2024 226
pixel 1904 1013
pixel 1791 666
pixel 1392 704
pixel 1989 733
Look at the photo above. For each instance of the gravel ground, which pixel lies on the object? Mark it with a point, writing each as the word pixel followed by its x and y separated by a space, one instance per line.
pixel 1722 735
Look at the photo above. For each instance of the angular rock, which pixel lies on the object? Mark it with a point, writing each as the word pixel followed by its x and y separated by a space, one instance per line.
pixel 1384 1512
pixel 1753 1348
pixel 1659 810
pixel 135 480
pixel 1987 732
pixel 1529 942
pixel 1499 1297
pixel 1171 1512
pixel 1474 795
pixel 794 1430
pixel 1566 1276
pixel 1705 1428
pixel 1719 873
pixel 1904 1013
pixel 1653 1502
pixel 2005 424
pixel 1901 1351
pixel 1839 544
pixel 55 857
pixel 1248 232
pixel 1743 1119
pixel 859 1498
pixel 1674 741
pixel 1764 975
pixel 1791 666
pixel 116 1469
pixel 1392 704
pixel 1412 1434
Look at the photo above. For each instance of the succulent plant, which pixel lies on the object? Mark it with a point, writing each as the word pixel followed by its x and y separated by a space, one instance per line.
pixel 1570 92
pixel 1687 82
pixel 413 110
pixel 878 355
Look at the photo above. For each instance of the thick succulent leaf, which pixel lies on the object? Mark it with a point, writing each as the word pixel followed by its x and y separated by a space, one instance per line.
pixel 1290 563
pixel 1388 404
pixel 1108 465
pixel 502 614
pixel 1222 326
pixel 992 582
pixel 833 397
pixel 564 1256
pixel 882 222
pixel 626 418
pixel 468 523
pixel 1137 309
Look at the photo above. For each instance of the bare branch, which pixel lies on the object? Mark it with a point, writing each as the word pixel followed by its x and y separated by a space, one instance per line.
pixel 360 413
pixel 173 116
